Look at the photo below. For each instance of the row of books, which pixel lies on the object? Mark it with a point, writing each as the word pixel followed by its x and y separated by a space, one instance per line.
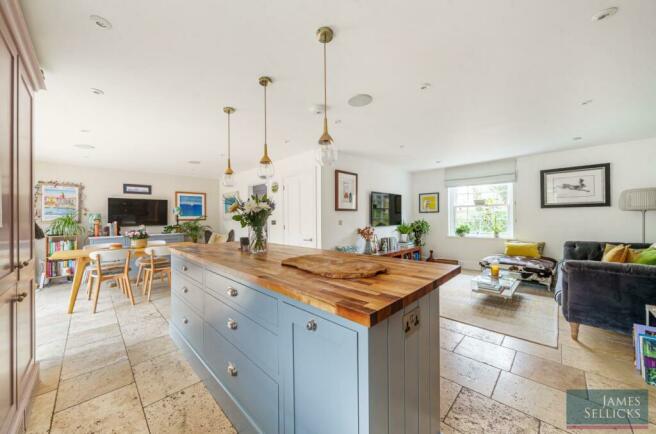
pixel 644 342
pixel 56 246
pixel 59 268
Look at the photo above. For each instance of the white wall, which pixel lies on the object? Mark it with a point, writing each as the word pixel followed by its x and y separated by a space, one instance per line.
pixel 633 165
pixel 100 184
pixel 339 227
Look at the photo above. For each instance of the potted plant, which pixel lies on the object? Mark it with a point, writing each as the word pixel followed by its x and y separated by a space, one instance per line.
pixel 494 223
pixel 138 237
pixel 463 230
pixel 67 226
pixel 367 233
pixel 254 213
pixel 404 230
pixel 420 228
pixel 193 229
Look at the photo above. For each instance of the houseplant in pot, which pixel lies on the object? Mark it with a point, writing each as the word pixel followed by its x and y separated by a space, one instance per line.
pixel 420 228
pixel 138 237
pixel 494 223
pixel 404 230
pixel 67 226
pixel 463 229
pixel 254 213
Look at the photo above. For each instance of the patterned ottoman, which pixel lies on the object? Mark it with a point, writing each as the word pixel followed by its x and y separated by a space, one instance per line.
pixel 537 270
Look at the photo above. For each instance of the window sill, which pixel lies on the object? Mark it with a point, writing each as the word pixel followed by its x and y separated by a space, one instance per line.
pixel 482 237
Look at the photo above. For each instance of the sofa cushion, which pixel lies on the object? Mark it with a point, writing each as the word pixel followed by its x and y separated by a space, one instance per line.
pixel 613 253
pixel 633 255
pixel 647 257
pixel 515 248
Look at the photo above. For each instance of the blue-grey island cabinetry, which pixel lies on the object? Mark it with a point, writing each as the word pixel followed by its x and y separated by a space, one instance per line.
pixel 285 351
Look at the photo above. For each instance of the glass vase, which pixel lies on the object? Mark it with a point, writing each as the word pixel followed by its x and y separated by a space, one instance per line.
pixel 368 247
pixel 258 239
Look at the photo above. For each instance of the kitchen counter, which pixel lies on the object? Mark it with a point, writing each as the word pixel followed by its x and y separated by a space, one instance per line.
pixel 286 351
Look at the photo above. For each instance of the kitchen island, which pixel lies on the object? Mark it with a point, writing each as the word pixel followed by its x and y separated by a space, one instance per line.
pixel 286 351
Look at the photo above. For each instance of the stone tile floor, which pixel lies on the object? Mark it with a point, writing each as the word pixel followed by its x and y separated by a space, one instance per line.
pixel 118 371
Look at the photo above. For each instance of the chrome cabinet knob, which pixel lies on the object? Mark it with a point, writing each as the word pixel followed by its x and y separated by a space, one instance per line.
pixel 311 325
pixel 20 297
pixel 232 292
pixel 185 289
pixel 232 324
pixel 232 369
pixel 185 321
pixel 184 268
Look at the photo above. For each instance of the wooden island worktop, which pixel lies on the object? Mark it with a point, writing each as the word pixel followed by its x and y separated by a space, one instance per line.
pixel 286 351
pixel 365 301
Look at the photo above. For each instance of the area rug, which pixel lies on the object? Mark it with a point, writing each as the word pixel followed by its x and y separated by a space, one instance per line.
pixel 532 314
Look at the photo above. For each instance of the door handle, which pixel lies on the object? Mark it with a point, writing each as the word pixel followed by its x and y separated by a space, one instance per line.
pixel 26 263
pixel 20 297
pixel 307 239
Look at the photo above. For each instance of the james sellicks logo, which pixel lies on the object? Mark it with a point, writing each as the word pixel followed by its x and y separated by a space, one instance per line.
pixel 607 408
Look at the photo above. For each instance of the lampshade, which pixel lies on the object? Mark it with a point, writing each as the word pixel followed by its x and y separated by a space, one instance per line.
pixel 638 199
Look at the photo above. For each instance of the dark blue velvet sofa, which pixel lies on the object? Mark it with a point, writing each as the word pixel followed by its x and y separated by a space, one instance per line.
pixel 611 296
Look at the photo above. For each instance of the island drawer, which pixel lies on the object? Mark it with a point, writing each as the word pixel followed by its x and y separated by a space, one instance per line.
pixel 188 291
pixel 257 305
pixel 187 322
pixel 258 343
pixel 255 391
pixel 187 268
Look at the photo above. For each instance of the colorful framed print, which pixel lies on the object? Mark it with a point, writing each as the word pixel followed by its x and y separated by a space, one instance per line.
pixel 229 199
pixel 346 191
pixel 137 189
pixel 577 186
pixel 58 200
pixel 429 202
pixel 192 205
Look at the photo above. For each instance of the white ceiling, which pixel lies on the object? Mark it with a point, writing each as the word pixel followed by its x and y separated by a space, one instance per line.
pixel 508 78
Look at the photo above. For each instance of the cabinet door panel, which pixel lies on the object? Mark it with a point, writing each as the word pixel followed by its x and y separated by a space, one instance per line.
pixel 24 175
pixel 321 374
pixel 6 145
pixel 7 345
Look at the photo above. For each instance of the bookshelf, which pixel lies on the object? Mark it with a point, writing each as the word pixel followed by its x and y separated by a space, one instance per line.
pixel 60 268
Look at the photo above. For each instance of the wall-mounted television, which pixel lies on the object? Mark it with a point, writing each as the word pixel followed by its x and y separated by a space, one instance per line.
pixel 385 209
pixel 134 212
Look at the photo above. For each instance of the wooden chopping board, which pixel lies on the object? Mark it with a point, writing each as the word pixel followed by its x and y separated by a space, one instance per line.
pixel 335 267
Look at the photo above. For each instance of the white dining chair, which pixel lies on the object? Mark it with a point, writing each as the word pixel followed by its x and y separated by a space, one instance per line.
pixel 158 263
pixel 141 261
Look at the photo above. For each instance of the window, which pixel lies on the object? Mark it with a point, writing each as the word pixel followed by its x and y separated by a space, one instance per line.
pixel 485 209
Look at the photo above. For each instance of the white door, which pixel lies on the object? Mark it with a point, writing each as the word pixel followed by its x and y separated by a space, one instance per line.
pixel 300 214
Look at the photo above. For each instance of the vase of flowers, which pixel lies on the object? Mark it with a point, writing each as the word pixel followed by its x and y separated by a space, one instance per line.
pixel 254 213
pixel 367 234
pixel 138 237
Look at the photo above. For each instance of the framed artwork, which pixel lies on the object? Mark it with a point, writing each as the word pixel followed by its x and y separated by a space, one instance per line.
pixel 137 189
pixel 575 186
pixel 58 200
pixel 192 206
pixel 346 191
pixel 429 202
pixel 228 199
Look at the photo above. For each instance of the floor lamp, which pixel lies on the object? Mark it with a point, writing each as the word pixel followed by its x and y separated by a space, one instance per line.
pixel 639 199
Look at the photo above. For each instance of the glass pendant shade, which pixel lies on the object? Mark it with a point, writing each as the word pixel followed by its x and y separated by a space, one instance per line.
pixel 326 155
pixel 265 170
pixel 228 178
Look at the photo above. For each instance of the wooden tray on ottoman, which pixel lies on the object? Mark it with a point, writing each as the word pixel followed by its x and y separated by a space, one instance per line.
pixel 335 267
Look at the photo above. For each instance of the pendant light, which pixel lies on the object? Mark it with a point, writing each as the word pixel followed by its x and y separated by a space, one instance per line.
pixel 265 170
pixel 228 174
pixel 327 152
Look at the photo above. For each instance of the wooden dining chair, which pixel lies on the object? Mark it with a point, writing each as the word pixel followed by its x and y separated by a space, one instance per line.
pixel 158 263
pixel 87 270
pixel 144 260
pixel 104 269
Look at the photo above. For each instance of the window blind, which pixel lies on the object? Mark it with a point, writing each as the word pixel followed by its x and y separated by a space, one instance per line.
pixel 491 172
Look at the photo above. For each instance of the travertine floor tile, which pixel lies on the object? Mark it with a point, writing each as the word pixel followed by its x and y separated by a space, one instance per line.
pixel 41 414
pixel 146 350
pixel 144 331
pixel 469 330
pixel 553 354
pixel 88 336
pixel 116 412
pixel 449 339
pixel 485 352
pixel 191 410
pixel 467 372
pixel 475 413
pixel 82 321
pixel 598 362
pixel 163 375
pixel 48 379
pixel 545 428
pixel 446 429
pixel 548 373
pixel 596 381
pixel 52 352
pixel 85 358
pixel 448 393
pixel 92 384
pixel 128 315
pixel 533 398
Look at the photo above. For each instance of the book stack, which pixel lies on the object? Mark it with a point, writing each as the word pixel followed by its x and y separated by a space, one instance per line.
pixel 60 268
pixel 644 342
pixel 489 284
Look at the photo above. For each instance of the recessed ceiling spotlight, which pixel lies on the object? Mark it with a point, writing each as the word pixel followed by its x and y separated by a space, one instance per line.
pixel 287 141
pixel 84 146
pixel 424 86
pixel 338 121
pixel 606 13
pixel 85 131
pixel 402 146
pixel 193 162
pixel 438 161
pixel 317 109
pixel 96 91
pixel 586 102
pixel 360 100
pixel 577 138
pixel 101 22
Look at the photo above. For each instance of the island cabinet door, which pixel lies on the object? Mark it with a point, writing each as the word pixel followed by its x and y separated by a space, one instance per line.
pixel 320 374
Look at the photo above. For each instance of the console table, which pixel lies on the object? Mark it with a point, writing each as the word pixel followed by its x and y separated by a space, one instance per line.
pixel 407 253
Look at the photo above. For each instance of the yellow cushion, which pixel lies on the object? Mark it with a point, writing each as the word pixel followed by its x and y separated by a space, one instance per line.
pixel 615 253
pixel 522 249
pixel 633 254
pixel 217 238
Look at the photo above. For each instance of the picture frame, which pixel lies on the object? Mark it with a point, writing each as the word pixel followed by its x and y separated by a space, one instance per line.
pixel 192 205
pixel 58 200
pixel 429 202
pixel 137 189
pixel 228 199
pixel 346 191
pixel 576 186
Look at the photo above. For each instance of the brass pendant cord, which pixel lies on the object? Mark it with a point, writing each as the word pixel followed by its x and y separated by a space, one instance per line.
pixel 265 122
pixel 229 140
pixel 325 87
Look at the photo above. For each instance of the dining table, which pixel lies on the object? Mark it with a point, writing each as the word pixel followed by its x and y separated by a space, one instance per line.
pixel 81 258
